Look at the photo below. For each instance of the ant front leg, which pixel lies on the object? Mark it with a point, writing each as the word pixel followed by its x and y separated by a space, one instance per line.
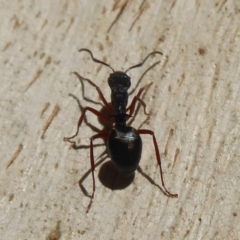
pixel 81 119
pixel 136 98
pixel 106 104
pixel 149 132
pixel 99 135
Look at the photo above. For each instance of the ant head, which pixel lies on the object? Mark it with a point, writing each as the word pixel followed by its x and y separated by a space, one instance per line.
pixel 119 78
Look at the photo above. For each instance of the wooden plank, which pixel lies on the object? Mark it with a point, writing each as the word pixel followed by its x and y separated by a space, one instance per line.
pixel 194 105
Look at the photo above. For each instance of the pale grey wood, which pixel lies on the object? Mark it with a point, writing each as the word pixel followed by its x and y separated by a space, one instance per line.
pixel 195 95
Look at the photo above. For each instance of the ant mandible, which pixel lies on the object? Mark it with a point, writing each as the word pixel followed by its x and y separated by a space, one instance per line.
pixel 124 142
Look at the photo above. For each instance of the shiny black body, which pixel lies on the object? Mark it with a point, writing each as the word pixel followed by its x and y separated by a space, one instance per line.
pixel 124 142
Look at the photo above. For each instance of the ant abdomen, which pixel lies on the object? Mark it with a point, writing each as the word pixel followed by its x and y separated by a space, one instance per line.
pixel 125 149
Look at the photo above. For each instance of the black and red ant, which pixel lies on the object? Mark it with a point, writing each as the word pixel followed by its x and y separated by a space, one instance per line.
pixel 124 142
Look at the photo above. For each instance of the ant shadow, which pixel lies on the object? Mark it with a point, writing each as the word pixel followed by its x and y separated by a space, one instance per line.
pixel 109 177
pixel 108 174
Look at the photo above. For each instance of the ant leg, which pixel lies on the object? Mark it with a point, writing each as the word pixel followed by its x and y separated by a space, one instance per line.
pixel 145 131
pixel 99 135
pixel 106 104
pixel 81 119
pixel 131 108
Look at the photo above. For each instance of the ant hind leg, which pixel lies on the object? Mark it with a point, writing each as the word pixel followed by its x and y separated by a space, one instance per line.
pixel 99 135
pixel 149 132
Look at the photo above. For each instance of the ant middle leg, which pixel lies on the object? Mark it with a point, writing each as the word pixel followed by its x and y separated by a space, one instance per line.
pixel 97 113
pixel 106 104
pixel 149 132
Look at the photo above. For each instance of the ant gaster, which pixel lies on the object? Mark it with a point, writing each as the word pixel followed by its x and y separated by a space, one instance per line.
pixel 124 142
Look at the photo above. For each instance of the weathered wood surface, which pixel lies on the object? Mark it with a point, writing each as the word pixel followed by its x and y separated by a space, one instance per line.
pixel 194 105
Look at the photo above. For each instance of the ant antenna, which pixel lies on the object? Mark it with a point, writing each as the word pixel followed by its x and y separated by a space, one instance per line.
pixel 94 59
pixel 141 63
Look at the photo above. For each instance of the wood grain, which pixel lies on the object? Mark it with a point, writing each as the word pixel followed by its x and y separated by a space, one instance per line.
pixel 194 105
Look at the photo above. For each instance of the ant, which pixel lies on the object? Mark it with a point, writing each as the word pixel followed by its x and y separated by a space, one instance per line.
pixel 124 142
